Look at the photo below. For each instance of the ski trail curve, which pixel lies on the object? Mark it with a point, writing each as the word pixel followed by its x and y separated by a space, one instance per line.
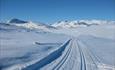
pixel 72 55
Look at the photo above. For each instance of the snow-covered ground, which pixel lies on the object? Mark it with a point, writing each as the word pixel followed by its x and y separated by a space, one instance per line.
pixel 77 48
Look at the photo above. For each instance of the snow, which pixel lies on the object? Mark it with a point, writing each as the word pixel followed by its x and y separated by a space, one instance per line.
pixel 80 23
pixel 104 31
pixel 29 24
pixel 32 46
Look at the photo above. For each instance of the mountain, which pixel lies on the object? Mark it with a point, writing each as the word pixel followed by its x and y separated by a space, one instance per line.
pixel 14 20
pixel 80 23
pixel 29 24
pixel 59 24
pixel 8 27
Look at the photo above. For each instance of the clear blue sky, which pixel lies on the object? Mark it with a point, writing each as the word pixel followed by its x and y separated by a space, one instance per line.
pixel 49 11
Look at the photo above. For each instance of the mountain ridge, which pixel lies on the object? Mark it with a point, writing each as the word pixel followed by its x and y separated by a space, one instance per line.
pixel 29 24
pixel 58 24
pixel 80 23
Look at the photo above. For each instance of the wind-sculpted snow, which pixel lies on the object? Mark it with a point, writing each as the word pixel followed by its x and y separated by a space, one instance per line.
pixel 18 48
pixel 48 59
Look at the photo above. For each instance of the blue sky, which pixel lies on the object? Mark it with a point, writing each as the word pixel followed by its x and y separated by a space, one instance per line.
pixel 49 11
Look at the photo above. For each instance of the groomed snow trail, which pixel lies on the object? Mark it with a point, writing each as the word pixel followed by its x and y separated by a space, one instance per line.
pixel 72 55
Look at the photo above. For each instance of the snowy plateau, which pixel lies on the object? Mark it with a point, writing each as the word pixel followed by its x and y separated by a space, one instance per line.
pixel 64 45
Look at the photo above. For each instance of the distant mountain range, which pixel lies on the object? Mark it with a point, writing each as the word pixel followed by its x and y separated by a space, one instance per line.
pixel 57 25
pixel 80 23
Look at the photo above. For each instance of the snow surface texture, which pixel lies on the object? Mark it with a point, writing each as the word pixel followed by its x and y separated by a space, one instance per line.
pixel 29 46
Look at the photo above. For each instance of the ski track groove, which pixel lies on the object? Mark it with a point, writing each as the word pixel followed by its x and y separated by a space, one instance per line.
pixel 58 66
pixel 92 56
pixel 82 64
pixel 86 60
pixel 95 56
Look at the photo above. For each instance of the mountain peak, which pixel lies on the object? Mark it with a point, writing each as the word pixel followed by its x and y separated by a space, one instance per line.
pixel 15 20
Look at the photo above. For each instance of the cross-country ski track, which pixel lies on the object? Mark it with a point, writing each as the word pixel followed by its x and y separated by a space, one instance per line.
pixel 72 55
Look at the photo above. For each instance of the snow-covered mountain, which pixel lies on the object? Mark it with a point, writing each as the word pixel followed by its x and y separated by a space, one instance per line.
pixel 59 24
pixel 29 24
pixel 80 23
pixel 14 20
